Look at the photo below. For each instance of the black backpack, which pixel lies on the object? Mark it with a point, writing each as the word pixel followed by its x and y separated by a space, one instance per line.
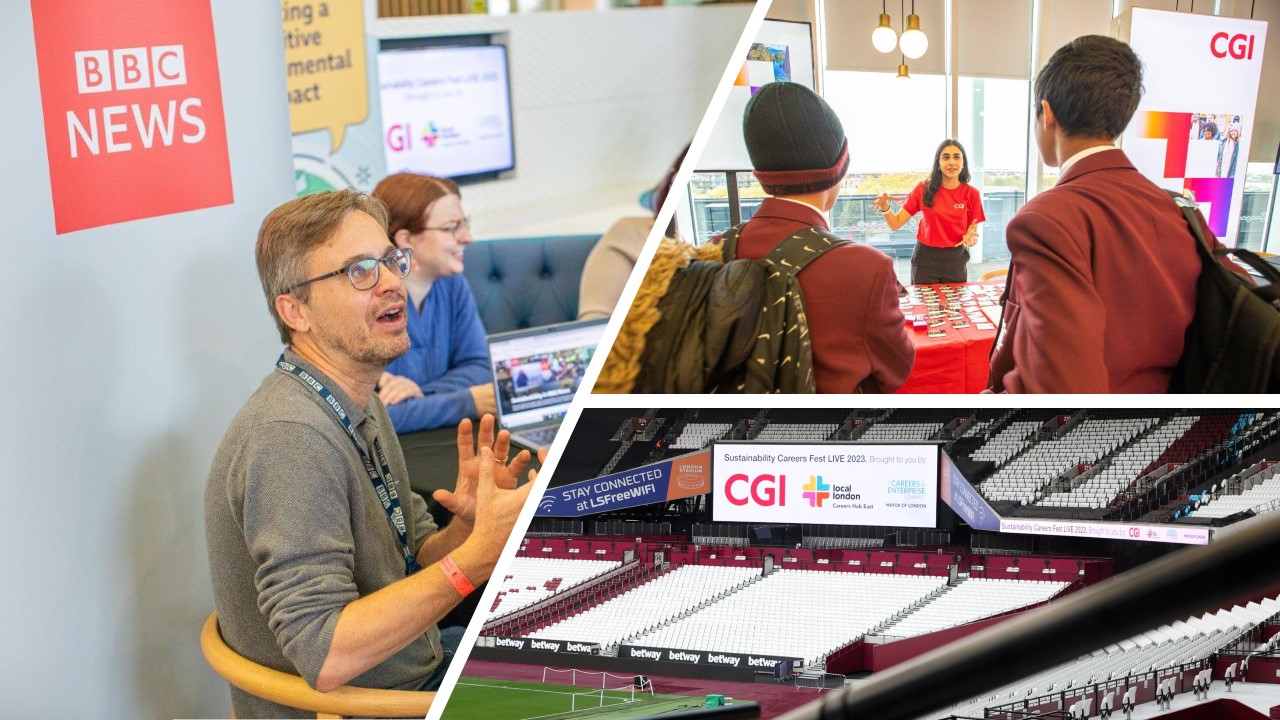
pixel 1232 342
pixel 736 326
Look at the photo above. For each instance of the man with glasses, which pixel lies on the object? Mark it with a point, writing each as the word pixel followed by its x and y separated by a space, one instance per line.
pixel 325 564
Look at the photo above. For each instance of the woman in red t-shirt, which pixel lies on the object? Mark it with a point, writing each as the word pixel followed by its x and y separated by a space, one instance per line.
pixel 952 210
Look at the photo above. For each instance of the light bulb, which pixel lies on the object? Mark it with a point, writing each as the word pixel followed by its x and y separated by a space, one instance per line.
pixel 914 42
pixel 884 38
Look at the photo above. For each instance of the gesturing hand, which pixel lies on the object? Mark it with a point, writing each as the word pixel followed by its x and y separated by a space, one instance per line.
pixel 462 500
pixel 971 236
pixel 500 506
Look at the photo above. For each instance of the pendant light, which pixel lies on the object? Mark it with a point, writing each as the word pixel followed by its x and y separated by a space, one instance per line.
pixel 902 70
pixel 883 37
pixel 914 43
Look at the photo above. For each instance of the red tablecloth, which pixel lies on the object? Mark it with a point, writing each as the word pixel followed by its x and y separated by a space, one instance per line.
pixel 955 363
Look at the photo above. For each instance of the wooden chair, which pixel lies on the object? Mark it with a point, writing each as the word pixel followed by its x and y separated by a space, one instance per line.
pixel 993 274
pixel 292 691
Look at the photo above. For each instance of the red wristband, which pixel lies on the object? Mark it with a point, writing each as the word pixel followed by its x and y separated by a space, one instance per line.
pixel 456 578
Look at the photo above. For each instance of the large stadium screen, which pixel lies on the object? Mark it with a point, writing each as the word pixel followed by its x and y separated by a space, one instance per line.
pixel 825 483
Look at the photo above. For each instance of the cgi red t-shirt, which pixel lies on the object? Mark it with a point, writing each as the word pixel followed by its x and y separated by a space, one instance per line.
pixel 953 211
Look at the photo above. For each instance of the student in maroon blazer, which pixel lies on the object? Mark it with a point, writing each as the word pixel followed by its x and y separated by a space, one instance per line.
pixel 1102 283
pixel 799 152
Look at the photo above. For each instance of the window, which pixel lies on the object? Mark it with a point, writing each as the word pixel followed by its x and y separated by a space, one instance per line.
pixel 992 115
pixel 1257 201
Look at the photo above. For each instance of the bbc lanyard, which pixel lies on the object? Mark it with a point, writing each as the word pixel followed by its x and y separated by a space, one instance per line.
pixel 386 492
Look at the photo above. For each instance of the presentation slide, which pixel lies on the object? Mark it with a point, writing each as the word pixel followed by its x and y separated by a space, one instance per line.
pixel 825 483
pixel 446 111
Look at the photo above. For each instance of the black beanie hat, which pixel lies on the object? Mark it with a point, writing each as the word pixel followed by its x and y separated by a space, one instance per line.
pixel 796 142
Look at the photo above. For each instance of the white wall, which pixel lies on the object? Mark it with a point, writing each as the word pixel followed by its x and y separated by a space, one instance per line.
pixel 126 350
pixel 602 103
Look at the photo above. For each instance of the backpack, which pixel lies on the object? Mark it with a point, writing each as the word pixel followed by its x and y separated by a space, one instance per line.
pixel 1232 342
pixel 704 324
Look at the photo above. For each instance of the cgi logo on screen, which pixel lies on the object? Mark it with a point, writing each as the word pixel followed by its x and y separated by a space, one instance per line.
pixel 132 110
pixel 400 136
pixel 1239 47
pixel 764 490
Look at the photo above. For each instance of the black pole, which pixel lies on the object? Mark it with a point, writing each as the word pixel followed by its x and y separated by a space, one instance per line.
pixel 1173 587
pixel 735 210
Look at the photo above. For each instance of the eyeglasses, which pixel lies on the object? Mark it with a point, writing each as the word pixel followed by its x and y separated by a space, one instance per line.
pixel 455 228
pixel 363 273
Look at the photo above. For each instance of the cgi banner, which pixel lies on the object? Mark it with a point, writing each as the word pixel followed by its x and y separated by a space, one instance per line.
pixel 679 477
pixel 1194 125
pixel 826 483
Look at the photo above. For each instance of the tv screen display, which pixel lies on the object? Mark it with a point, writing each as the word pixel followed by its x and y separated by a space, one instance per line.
pixel 446 111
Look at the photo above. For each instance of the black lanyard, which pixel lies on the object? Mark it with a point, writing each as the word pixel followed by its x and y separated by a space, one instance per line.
pixel 385 490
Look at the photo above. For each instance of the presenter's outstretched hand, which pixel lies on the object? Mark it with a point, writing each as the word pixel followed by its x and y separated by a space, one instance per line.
pixel 498 506
pixel 463 499
pixel 881 202
pixel 971 235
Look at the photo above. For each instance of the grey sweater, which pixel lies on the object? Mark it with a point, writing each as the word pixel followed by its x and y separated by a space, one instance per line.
pixel 296 532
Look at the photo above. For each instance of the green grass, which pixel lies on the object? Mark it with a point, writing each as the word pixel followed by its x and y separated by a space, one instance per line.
pixel 485 699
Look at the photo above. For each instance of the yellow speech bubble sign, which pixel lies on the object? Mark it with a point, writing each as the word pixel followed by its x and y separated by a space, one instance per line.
pixel 325 61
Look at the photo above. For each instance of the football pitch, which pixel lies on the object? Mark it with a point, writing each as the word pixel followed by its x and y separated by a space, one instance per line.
pixel 486 699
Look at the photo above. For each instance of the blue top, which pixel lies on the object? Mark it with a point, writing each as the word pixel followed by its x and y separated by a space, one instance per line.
pixel 447 355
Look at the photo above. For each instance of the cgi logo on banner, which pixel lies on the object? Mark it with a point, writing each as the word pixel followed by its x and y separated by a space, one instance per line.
pixel 1194 124
pixel 831 483
pixel 132 105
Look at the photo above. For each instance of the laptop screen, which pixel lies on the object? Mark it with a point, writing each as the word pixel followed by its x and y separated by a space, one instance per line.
pixel 537 371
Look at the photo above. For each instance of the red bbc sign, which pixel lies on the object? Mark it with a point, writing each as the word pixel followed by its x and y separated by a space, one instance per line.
pixel 132 104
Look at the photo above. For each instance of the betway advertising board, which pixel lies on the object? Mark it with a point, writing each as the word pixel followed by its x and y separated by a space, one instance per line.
pixel 679 477
pixel 702 657
pixel 825 483
pixel 545 645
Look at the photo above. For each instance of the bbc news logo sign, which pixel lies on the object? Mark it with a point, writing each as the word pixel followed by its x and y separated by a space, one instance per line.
pixel 130 69
pixel 132 102
pixel 99 71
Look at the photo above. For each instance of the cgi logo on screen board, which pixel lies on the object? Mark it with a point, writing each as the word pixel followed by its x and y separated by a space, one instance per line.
pixel 1239 47
pixel 765 490
pixel 132 105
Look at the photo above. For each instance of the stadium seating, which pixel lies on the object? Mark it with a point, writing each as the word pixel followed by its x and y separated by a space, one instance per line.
pixel 1022 478
pixel 530 579
pixel 1262 491
pixel 1117 473
pixel 696 436
pixel 647 605
pixel 797 431
pixel 783 614
pixel 971 600
pixel 1007 443
pixel 1180 643
pixel 889 431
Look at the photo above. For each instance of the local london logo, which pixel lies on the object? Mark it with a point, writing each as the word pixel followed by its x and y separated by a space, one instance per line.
pixel 816 490
pixel 431 135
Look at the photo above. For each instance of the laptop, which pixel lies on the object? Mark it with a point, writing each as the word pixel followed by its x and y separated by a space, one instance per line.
pixel 536 373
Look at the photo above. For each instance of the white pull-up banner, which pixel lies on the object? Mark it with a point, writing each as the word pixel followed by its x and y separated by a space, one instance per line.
pixel 1193 127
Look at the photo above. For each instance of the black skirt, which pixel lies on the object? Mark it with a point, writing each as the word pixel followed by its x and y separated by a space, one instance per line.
pixel 933 265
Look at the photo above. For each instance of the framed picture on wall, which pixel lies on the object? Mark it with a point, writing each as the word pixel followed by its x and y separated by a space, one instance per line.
pixel 782 52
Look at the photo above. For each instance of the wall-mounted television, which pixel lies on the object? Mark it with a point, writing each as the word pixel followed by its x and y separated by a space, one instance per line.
pixel 446 107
